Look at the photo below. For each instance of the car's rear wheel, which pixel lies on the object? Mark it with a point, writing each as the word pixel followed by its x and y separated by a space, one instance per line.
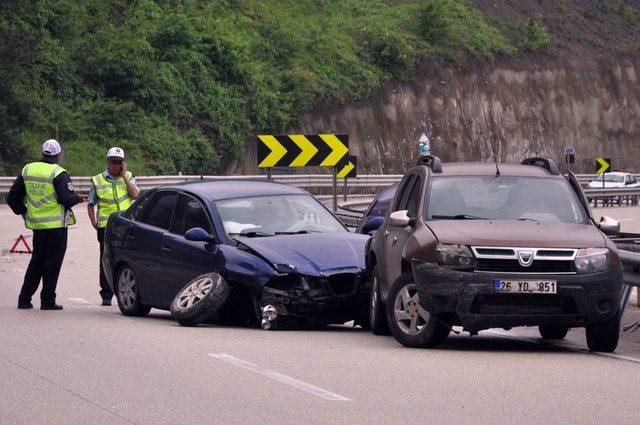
pixel 377 310
pixel 553 331
pixel 410 323
pixel 127 294
pixel 200 299
pixel 604 336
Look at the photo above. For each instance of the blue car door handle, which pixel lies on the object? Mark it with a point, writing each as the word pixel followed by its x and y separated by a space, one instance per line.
pixel 165 250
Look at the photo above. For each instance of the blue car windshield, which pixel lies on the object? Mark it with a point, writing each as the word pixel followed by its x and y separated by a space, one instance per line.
pixel 276 215
pixel 503 198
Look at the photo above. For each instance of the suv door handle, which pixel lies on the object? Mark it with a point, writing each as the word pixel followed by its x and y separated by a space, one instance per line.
pixel 386 233
pixel 165 250
pixel 394 240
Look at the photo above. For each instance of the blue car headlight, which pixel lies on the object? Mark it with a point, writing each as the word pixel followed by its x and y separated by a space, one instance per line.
pixel 591 260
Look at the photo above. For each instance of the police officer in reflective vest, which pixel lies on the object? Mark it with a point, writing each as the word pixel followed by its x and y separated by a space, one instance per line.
pixel 43 194
pixel 112 190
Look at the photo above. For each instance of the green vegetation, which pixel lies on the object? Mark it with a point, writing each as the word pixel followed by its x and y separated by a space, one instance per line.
pixel 625 11
pixel 536 38
pixel 182 85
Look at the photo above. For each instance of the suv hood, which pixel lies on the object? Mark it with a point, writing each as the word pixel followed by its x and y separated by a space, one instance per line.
pixel 517 233
pixel 315 254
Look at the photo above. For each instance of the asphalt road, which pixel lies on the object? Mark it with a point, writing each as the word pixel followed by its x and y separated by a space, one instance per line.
pixel 90 365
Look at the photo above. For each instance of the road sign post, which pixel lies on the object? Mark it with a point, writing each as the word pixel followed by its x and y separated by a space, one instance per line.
pixel 603 165
pixel 303 150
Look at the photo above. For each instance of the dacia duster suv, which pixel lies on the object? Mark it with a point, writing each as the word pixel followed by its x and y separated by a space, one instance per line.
pixel 486 245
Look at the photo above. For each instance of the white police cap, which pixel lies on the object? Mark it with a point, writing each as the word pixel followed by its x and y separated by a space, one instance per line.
pixel 51 147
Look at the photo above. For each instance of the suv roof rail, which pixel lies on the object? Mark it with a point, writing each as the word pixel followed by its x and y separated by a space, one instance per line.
pixel 431 161
pixel 545 163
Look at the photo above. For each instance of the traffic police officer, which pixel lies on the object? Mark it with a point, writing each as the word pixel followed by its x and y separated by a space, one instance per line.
pixel 43 194
pixel 112 190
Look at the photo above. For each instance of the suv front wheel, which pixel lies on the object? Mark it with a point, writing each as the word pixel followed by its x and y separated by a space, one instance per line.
pixel 410 323
pixel 603 336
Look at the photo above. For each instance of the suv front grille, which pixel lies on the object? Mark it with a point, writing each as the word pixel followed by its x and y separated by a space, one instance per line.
pixel 524 260
pixel 512 266
pixel 523 304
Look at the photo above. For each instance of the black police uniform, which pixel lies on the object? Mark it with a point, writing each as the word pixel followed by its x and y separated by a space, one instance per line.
pixel 49 245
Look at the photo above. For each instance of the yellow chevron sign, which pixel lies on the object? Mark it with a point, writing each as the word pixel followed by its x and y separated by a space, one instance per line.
pixel 348 167
pixel 301 150
pixel 603 165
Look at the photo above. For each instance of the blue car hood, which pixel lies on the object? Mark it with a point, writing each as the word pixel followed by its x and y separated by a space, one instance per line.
pixel 314 254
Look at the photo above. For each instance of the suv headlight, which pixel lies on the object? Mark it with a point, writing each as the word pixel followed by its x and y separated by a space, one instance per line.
pixel 455 255
pixel 591 260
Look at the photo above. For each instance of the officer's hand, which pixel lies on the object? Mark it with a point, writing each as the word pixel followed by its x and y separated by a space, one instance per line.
pixel 123 169
pixel 83 198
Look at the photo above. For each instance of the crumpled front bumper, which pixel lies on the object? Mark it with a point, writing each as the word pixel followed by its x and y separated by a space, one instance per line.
pixel 320 300
pixel 471 300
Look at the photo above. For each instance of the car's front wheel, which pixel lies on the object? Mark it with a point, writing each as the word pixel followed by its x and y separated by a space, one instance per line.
pixel 410 323
pixel 200 299
pixel 553 331
pixel 604 336
pixel 127 294
pixel 377 310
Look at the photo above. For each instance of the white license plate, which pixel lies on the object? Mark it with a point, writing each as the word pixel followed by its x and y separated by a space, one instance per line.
pixel 526 286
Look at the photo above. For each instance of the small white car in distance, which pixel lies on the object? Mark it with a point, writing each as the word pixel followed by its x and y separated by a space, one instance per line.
pixel 614 179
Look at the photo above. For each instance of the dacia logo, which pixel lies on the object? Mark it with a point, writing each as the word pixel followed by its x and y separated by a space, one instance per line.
pixel 525 257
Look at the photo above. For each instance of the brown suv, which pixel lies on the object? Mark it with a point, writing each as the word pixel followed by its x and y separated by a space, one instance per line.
pixel 485 245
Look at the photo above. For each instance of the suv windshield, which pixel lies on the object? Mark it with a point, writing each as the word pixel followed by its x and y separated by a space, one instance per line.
pixel 503 198
pixel 276 215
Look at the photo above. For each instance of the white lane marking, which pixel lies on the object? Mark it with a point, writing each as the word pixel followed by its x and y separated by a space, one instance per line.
pixel 626 219
pixel 312 389
pixel 98 308
pixel 565 344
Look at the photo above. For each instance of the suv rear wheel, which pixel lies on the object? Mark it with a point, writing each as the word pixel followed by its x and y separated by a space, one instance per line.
pixel 377 311
pixel 603 336
pixel 553 331
pixel 410 323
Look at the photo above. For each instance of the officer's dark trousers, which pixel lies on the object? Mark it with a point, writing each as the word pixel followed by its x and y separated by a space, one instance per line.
pixel 49 247
pixel 105 292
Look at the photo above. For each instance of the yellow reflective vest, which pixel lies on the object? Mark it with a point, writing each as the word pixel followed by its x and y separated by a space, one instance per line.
pixel 43 209
pixel 112 196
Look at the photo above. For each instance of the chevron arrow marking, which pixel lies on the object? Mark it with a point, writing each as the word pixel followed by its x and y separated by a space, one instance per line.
pixel 604 165
pixel 338 150
pixel 346 170
pixel 307 148
pixel 277 151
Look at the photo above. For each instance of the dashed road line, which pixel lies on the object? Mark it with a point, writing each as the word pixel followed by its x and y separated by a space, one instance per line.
pixel 312 389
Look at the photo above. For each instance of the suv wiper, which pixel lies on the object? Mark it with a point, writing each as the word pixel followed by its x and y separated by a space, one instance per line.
pixel 459 217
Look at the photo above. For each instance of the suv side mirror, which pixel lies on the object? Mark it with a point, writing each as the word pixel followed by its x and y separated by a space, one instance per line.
pixel 372 224
pixel 399 218
pixel 198 234
pixel 609 225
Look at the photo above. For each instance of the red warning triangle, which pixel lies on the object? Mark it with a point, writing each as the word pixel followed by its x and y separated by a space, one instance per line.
pixel 20 251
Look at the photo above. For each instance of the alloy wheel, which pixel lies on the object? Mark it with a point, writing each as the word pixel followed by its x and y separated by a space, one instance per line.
pixel 195 292
pixel 410 316
pixel 127 288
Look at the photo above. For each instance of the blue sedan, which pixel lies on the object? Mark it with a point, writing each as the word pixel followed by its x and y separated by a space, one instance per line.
pixel 275 246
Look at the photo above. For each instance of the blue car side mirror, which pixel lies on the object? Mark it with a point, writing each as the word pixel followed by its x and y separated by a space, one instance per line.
pixel 372 224
pixel 198 234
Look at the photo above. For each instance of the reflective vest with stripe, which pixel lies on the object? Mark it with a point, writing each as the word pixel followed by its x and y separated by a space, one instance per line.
pixel 112 196
pixel 43 209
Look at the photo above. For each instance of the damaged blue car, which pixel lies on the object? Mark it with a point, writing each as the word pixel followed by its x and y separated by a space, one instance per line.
pixel 236 252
